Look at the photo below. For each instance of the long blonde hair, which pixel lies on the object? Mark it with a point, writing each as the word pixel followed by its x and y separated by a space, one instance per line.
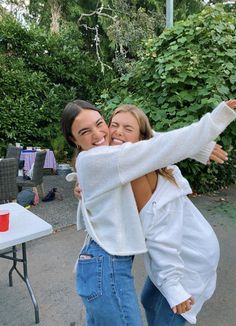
pixel 145 132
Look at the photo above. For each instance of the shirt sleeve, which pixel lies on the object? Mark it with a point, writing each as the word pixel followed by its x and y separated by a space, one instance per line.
pixel 203 155
pixel 164 242
pixel 174 146
pixel 103 168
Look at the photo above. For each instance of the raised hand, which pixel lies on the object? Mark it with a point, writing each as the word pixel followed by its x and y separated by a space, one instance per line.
pixel 231 104
pixel 218 155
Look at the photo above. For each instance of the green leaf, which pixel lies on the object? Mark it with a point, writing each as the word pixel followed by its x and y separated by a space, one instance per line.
pixel 186 96
pixel 232 79
pixel 223 89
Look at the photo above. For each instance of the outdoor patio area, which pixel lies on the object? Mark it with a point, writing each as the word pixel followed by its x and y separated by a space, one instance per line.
pixel 51 260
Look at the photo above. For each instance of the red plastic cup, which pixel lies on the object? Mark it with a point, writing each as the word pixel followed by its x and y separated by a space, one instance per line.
pixel 4 221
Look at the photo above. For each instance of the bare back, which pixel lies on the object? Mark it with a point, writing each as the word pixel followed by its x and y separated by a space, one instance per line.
pixel 143 188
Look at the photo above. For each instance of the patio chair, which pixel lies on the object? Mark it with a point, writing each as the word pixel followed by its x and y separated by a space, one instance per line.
pixel 8 187
pixel 14 152
pixel 37 175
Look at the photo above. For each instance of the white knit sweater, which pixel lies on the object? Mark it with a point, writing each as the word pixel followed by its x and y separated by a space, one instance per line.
pixel 108 207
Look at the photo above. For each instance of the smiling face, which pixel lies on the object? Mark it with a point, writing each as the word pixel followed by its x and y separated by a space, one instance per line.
pixel 90 130
pixel 123 128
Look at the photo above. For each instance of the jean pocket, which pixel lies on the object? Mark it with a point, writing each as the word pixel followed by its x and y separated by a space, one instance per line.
pixel 89 277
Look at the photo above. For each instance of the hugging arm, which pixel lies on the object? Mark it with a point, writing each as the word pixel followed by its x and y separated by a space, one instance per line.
pixel 118 165
pixel 173 146
pixel 213 151
pixel 209 152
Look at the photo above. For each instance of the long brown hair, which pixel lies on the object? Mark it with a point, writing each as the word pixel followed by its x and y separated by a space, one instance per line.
pixel 145 132
pixel 69 114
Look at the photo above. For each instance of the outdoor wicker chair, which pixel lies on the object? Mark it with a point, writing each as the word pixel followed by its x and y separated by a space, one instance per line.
pixel 14 152
pixel 37 175
pixel 8 187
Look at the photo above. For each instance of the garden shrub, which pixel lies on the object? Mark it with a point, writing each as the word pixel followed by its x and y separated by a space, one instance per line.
pixel 41 72
pixel 182 74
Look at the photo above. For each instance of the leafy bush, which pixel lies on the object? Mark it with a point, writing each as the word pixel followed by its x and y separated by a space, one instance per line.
pixel 40 72
pixel 30 104
pixel 180 76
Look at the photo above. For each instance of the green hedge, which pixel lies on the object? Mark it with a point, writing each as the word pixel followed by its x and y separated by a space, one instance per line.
pixel 40 72
pixel 180 76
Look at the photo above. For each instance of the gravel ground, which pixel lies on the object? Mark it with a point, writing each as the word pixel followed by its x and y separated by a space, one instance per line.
pixel 59 213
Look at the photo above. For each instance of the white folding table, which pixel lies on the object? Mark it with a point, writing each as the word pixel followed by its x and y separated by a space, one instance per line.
pixel 23 227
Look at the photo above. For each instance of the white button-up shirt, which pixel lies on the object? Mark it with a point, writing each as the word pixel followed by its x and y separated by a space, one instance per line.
pixel 183 251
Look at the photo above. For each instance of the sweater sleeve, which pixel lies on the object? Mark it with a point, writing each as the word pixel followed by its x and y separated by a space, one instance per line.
pixel 103 168
pixel 171 147
pixel 163 261
pixel 203 155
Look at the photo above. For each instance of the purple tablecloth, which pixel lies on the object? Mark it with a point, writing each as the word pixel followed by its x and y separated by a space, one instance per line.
pixel 29 158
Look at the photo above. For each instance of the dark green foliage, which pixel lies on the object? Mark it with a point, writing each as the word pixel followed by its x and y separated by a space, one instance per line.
pixel 179 76
pixel 182 75
pixel 40 72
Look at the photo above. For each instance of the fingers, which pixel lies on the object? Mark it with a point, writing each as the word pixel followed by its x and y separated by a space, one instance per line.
pixel 217 159
pixel 77 192
pixel 184 306
pixel 188 305
pixel 231 104
pixel 217 147
pixel 174 309
pixel 218 154
pixel 180 308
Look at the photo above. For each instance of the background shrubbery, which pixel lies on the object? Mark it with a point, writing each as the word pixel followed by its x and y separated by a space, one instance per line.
pixel 175 76
pixel 40 72
pixel 180 76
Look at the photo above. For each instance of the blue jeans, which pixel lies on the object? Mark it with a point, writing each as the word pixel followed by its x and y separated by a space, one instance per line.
pixel 157 309
pixel 106 286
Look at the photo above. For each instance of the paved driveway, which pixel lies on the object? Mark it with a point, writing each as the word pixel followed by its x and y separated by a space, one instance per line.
pixel 51 260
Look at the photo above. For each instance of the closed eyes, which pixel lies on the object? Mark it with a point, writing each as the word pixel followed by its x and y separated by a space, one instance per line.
pixel 85 131
pixel 116 125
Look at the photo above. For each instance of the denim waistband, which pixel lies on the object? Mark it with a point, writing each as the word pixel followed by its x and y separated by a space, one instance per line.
pixel 91 245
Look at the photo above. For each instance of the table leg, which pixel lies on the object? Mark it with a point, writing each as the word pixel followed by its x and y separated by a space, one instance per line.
pixel 13 266
pixel 24 277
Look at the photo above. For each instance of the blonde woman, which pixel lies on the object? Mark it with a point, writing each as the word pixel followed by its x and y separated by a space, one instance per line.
pixel 183 250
